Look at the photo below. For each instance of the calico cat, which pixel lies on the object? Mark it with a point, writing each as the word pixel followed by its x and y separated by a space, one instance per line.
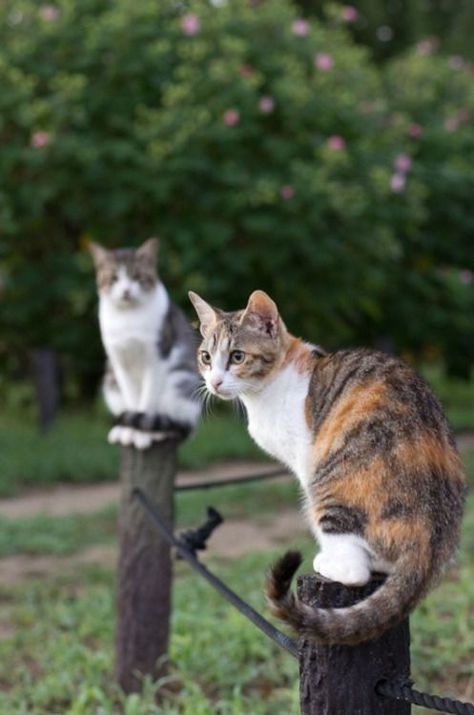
pixel 371 448
pixel 151 377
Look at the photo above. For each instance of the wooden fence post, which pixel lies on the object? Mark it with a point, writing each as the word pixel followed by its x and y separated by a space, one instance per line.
pixel 340 680
pixel 144 568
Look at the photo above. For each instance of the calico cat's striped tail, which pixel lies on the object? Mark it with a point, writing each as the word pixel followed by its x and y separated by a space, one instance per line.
pixel 366 620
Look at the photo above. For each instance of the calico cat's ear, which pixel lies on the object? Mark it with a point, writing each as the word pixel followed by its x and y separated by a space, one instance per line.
pixel 99 253
pixel 149 250
pixel 206 313
pixel 261 312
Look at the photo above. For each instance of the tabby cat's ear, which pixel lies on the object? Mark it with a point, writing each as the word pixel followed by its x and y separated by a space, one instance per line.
pixel 206 313
pixel 262 313
pixel 98 252
pixel 149 250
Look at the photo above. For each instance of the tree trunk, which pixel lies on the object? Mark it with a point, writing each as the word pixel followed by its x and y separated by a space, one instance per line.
pixel 144 569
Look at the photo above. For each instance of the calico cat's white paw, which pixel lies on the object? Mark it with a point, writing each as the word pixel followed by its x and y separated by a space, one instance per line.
pixel 349 569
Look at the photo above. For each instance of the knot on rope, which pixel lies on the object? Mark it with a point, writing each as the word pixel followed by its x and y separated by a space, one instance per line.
pixel 195 539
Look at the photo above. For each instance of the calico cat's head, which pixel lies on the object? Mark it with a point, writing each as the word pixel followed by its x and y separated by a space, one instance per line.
pixel 126 276
pixel 240 350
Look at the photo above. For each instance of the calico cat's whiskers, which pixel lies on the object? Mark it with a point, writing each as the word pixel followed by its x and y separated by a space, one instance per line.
pixel 202 394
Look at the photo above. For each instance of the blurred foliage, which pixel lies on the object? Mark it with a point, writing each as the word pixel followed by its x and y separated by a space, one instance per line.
pixel 389 27
pixel 260 150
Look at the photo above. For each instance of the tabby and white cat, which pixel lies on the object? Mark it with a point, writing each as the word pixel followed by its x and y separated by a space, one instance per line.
pixel 151 377
pixel 368 441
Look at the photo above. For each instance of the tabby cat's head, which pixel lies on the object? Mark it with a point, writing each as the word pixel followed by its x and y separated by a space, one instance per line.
pixel 126 276
pixel 240 350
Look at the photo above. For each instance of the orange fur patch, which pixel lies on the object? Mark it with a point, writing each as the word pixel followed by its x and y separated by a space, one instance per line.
pixel 351 409
pixel 434 452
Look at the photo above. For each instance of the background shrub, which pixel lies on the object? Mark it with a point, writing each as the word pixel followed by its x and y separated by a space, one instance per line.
pixel 261 147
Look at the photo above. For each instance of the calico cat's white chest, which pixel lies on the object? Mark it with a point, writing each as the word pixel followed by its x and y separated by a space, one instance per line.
pixel 276 421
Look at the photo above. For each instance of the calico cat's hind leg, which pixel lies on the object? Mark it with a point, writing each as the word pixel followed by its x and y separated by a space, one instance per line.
pixel 343 558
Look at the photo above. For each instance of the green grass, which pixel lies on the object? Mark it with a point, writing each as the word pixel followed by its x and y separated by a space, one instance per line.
pixel 60 653
pixel 76 449
pixel 44 534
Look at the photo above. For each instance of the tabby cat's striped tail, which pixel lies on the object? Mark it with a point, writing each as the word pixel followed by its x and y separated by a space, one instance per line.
pixel 366 620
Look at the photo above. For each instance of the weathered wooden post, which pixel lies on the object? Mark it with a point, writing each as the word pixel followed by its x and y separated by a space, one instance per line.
pixel 144 568
pixel 340 680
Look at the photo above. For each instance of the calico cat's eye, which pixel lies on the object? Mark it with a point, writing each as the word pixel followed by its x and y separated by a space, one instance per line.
pixel 237 357
pixel 205 357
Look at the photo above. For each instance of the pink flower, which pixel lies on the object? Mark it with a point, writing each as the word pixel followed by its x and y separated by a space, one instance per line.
pixel 231 117
pixel 415 130
pixel 40 139
pixel 323 61
pixel 300 27
pixel 349 13
pixel 427 46
pixel 466 277
pixel 190 24
pixel 456 62
pixel 397 183
pixel 49 13
pixel 402 163
pixel 366 107
pixel 336 142
pixel 451 124
pixel 246 71
pixel 287 192
pixel 266 104
pixel 464 115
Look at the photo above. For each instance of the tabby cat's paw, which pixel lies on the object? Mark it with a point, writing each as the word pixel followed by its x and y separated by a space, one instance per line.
pixel 114 435
pixel 159 436
pixel 142 440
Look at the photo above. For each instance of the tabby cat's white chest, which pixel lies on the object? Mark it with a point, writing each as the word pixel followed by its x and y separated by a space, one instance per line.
pixel 276 421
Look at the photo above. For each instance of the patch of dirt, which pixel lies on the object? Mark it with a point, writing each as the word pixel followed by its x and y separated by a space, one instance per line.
pixel 234 538
pixel 86 498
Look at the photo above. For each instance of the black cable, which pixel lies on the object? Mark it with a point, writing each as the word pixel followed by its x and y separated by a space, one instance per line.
pixel 265 626
pixel 383 688
pixel 232 482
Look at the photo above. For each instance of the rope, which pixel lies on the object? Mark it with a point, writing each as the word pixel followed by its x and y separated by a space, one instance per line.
pixel 407 693
pixel 262 624
pixel 191 541
pixel 231 482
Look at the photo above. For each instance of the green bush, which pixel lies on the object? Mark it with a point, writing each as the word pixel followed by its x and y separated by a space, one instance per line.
pixel 435 96
pixel 259 147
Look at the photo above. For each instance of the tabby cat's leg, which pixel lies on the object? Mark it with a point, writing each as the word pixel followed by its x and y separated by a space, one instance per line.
pixel 115 401
pixel 343 557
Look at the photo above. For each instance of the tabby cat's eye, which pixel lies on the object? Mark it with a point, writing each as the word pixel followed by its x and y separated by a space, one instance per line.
pixel 205 357
pixel 237 357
